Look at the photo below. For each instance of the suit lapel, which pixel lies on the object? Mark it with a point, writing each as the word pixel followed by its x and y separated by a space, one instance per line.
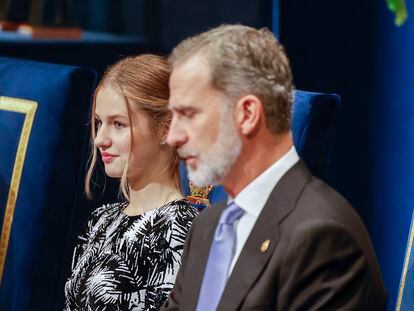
pixel 253 257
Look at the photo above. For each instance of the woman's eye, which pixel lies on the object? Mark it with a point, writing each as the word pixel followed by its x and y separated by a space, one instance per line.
pixel 119 125
pixel 98 124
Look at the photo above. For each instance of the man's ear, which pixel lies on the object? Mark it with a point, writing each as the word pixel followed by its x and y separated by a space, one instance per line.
pixel 248 114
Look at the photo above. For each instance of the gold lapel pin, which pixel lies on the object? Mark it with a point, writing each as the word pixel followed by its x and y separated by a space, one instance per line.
pixel 265 246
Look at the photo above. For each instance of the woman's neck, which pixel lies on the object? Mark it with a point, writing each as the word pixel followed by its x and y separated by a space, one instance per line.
pixel 150 197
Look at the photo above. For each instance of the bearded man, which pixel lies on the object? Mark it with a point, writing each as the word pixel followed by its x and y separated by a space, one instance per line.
pixel 285 240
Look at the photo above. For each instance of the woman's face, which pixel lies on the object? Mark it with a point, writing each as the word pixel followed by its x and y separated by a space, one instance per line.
pixel 113 137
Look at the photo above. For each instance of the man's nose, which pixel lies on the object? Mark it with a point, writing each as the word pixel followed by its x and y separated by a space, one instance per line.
pixel 176 135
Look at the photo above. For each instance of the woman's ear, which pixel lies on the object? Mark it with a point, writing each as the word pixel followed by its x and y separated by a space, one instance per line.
pixel 163 133
pixel 248 113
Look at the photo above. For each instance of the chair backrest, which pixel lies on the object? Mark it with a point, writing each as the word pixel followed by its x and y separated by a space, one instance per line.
pixel 42 147
pixel 313 127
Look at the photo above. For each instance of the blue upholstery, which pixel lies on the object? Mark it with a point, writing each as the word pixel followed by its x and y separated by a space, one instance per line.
pixel 313 127
pixel 50 181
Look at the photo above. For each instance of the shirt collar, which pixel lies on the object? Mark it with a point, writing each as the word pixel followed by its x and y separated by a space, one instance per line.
pixel 254 196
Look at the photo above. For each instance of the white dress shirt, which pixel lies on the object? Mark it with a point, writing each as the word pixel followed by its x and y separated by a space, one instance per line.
pixel 253 198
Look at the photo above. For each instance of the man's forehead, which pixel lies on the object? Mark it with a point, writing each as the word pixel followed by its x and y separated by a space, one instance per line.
pixel 196 67
pixel 193 61
pixel 188 79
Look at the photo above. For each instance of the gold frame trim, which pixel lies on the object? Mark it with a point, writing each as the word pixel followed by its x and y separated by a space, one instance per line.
pixel 406 262
pixel 28 108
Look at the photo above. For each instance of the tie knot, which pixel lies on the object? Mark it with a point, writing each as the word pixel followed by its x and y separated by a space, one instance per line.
pixel 231 213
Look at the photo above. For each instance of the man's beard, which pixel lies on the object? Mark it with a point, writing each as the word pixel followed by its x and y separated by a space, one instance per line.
pixel 215 164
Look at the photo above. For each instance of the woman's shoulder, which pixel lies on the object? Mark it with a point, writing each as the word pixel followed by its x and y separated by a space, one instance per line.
pixel 108 210
pixel 176 217
pixel 179 208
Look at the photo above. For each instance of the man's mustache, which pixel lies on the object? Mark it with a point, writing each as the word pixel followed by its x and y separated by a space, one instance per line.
pixel 185 154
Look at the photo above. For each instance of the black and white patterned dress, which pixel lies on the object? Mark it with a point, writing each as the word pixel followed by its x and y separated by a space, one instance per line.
pixel 128 262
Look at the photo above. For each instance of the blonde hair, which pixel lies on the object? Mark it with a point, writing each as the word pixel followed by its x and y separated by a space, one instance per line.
pixel 143 83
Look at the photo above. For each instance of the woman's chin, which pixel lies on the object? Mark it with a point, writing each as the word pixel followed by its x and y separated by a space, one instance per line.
pixel 113 173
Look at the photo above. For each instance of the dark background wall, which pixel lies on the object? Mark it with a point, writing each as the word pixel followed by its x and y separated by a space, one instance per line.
pixel 330 45
pixel 166 22
pixel 116 16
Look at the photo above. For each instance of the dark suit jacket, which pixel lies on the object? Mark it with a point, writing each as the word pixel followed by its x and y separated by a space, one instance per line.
pixel 320 256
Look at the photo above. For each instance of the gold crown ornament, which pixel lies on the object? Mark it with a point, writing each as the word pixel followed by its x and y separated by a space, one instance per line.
pixel 199 195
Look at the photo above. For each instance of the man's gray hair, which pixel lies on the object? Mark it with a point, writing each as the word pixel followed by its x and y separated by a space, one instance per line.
pixel 245 60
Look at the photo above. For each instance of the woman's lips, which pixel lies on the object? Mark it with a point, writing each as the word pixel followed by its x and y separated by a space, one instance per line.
pixel 107 157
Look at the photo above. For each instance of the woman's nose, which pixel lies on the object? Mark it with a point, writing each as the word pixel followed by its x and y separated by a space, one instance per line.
pixel 102 139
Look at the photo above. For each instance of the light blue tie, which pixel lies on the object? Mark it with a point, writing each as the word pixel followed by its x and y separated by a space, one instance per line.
pixel 219 260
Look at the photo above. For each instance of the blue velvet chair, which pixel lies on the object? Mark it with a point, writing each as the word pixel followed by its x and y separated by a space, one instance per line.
pixel 43 143
pixel 313 127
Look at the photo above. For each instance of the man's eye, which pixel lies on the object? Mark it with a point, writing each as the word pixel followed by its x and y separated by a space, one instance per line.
pixel 189 113
pixel 119 125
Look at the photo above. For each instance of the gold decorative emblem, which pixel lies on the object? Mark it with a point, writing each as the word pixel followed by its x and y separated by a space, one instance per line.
pixel 265 246
pixel 199 195
pixel 28 108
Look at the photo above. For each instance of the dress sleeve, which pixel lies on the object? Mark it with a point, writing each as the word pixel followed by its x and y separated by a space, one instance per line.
pixel 165 256
pixel 84 237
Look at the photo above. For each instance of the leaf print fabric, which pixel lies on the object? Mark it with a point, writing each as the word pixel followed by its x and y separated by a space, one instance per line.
pixel 128 262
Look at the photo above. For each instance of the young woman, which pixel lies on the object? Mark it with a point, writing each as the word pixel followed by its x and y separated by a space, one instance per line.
pixel 129 255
